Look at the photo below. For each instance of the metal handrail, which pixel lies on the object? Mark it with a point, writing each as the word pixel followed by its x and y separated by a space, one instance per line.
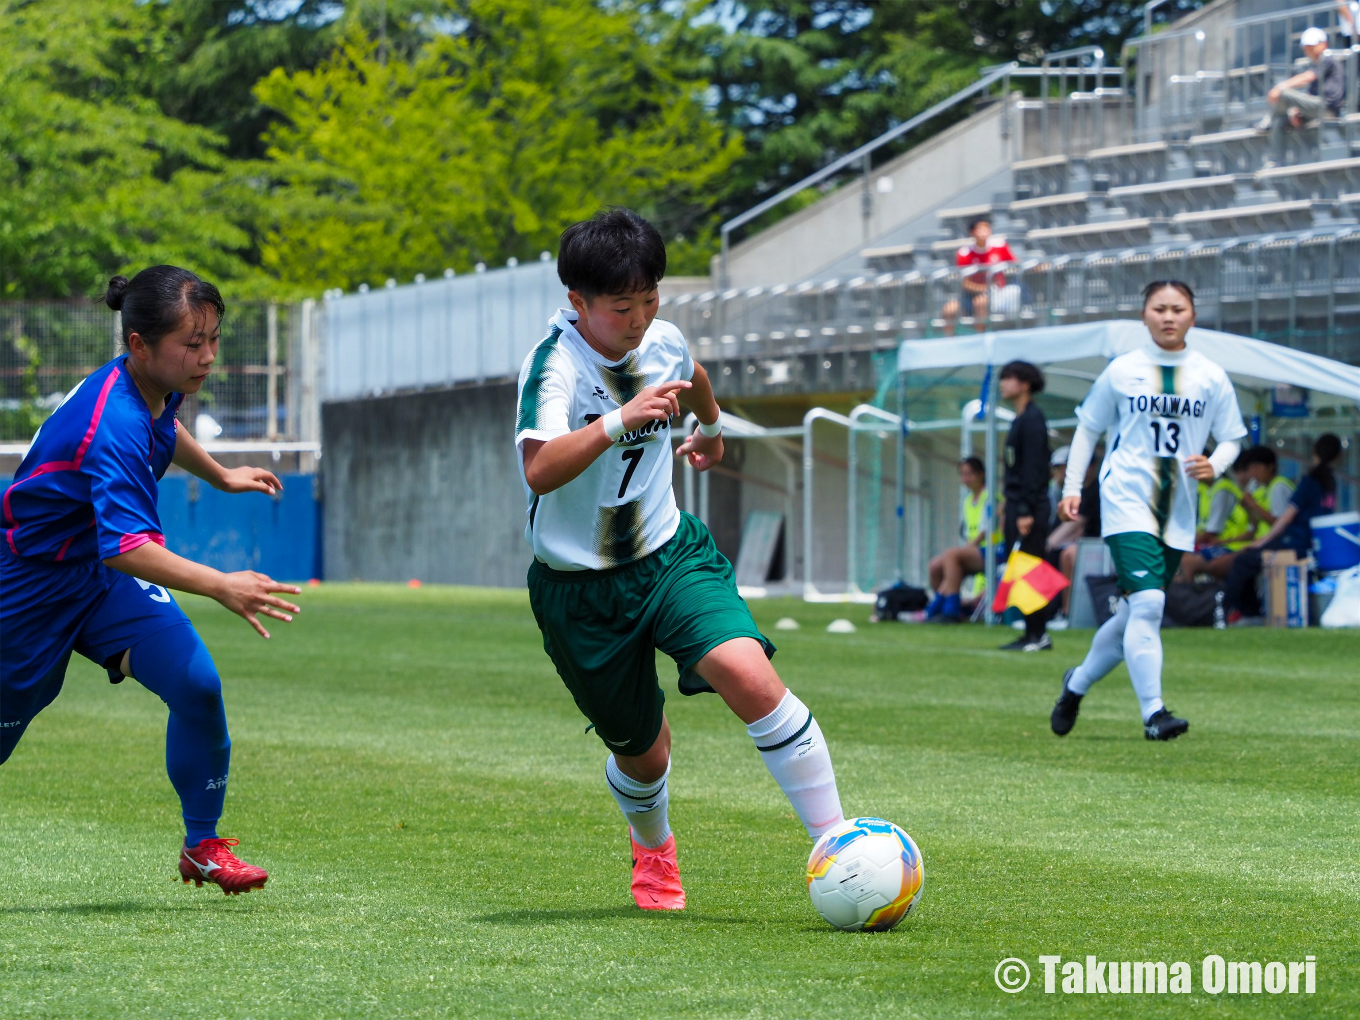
pixel 1148 8
pixel 860 155
pixel 1039 72
pixel 1062 57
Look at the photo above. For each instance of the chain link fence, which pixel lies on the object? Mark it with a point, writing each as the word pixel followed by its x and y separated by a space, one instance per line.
pixel 263 385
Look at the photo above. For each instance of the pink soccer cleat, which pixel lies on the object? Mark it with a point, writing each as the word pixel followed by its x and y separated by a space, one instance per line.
pixel 213 861
pixel 656 876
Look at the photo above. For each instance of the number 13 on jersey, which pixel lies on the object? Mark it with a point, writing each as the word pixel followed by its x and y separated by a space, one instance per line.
pixel 1166 437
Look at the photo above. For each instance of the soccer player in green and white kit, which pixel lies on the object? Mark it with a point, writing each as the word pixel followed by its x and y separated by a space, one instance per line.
pixel 1158 406
pixel 618 570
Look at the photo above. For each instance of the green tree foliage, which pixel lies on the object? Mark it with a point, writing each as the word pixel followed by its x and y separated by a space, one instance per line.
pixel 96 177
pixel 284 146
pixel 212 52
pixel 511 120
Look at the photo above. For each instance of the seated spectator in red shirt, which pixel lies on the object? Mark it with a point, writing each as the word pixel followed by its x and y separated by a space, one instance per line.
pixel 977 290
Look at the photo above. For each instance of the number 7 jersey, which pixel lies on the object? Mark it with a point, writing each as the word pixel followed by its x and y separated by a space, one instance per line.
pixel 622 507
pixel 1157 408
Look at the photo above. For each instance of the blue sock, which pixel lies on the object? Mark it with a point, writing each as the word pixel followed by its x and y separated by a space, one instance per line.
pixel 951 606
pixel 933 609
pixel 175 665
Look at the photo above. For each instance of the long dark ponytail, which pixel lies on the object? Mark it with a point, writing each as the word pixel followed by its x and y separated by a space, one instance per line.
pixel 1327 449
pixel 155 300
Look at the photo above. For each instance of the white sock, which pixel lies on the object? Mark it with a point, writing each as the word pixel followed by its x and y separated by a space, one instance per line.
pixel 1107 652
pixel 643 804
pixel 795 752
pixel 1143 648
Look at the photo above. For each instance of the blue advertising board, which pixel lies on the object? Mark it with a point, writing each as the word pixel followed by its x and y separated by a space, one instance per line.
pixel 276 535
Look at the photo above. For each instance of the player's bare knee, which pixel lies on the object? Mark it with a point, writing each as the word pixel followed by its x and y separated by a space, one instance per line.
pixel 741 673
pixel 651 764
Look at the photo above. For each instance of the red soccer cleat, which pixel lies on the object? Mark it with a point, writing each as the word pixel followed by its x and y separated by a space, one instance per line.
pixel 212 861
pixel 656 876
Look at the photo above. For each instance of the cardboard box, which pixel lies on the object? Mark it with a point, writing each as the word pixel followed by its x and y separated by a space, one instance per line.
pixel 1285 577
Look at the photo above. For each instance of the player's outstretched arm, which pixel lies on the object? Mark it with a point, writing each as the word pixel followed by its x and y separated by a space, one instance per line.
pixel 246 593
pixel 552 464
pixel 703 451
pixel 198 462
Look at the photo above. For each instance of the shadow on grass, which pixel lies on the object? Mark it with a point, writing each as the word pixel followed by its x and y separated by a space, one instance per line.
pixel 96 909
pixel 541 916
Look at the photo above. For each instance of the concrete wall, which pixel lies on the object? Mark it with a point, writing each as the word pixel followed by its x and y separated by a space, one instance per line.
pixel 424 486
pixel 921 181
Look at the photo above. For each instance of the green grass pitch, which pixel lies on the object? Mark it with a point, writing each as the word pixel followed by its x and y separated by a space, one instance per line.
pixel 441 843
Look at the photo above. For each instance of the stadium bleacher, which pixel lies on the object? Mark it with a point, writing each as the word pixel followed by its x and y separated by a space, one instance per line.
pixel 1172 184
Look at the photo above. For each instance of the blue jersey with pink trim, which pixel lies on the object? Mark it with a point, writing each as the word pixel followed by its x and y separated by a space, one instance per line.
pixel 87 487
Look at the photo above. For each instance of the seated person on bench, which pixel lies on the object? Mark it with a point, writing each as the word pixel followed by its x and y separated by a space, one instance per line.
pixel 976 289
pixel 1314 496
pixel 1270 492
pixel 948 570
pixel 1303 98
pixel 1225 528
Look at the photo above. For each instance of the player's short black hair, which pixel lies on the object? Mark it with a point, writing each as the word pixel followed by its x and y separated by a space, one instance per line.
pixel 1156 285
pixel 616 251
pixel 983 218
pixel 974 464
pixel 1026 373
pixel 155 301
pixel 1259 455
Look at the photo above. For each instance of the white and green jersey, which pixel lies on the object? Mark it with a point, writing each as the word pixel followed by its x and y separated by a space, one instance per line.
pixel 1157 408
pixel 622 507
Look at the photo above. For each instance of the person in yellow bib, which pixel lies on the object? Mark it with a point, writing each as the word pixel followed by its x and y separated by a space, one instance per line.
pixel 1224 527
pixel 1271 491
pixel 948 570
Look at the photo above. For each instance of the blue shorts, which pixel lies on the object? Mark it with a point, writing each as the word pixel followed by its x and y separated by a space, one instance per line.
pixel 1213 552
pixel 48 610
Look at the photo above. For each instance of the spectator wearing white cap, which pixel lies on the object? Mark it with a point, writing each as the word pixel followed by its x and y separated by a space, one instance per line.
pixel 1305 97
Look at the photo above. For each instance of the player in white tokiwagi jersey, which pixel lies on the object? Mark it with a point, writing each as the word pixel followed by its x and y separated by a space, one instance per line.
pixel 619 572
pixel 1157 408
pixel 621 507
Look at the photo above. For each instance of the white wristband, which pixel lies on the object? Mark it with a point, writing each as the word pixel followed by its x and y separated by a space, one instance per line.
pixel 709 431
pixel 613 424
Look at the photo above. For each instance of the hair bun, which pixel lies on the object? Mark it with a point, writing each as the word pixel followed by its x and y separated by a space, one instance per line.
pixel 113 297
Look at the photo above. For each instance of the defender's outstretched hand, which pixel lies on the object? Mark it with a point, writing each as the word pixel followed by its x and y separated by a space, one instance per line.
pixel 250 479
pixel 655 403
pixel 703 451
pixel 247 593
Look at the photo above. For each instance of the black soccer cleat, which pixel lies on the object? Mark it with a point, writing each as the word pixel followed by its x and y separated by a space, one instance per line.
pixel 1164 726
pixel 1043 643
pixel 1064 715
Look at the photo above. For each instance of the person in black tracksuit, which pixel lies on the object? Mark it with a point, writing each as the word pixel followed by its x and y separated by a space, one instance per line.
pixel 1026 483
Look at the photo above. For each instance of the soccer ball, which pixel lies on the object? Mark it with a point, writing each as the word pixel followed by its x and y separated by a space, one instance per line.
pixel 865 875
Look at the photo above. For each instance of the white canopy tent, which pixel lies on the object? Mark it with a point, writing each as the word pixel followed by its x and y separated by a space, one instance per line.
pixel 1081 350
pixel 1086 347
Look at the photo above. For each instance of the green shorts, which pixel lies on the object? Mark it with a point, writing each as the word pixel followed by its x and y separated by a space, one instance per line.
pixel 602 629
pixel 1142 561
